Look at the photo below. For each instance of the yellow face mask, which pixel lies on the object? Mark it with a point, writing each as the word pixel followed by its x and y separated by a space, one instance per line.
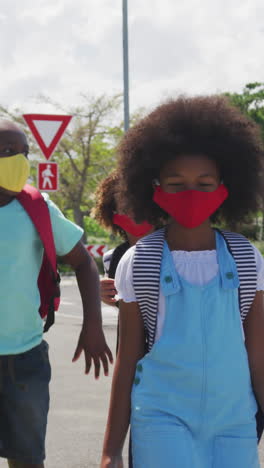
pixel 14 171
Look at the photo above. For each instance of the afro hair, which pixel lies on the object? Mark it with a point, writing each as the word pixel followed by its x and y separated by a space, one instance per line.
pixel 207 125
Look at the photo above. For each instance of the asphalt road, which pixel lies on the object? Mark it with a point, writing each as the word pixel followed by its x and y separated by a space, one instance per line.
pixel 71 305
pixel 78 402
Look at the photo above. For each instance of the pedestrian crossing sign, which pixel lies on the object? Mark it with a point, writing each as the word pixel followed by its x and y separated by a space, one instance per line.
pixel 48 175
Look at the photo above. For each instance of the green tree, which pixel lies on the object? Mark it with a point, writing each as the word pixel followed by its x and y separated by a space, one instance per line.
pixel 251 102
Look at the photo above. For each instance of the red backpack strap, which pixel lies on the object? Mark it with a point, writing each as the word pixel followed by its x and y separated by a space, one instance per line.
pixel 37 209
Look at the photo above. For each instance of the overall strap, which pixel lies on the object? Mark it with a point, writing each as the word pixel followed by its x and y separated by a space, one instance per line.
pixel 244 256
pixel 146 279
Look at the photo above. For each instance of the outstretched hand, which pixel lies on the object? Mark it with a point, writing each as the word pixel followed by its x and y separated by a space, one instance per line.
pixel 92 343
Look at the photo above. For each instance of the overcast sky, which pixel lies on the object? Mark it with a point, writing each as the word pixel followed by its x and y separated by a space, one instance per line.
pixel 62 48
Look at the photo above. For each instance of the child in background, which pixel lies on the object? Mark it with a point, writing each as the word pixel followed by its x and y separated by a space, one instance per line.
pixel 193 292
pixel 106 214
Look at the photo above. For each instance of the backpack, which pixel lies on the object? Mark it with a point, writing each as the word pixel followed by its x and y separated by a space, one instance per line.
pixel 146 275
pixel 117 254
pixel 49 278
pixel 146 282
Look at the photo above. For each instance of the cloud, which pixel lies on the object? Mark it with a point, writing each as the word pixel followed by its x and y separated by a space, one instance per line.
pixel 65 48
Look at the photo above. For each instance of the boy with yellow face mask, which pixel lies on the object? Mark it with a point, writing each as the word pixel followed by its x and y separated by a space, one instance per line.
pixel 14 165
pixel 24 363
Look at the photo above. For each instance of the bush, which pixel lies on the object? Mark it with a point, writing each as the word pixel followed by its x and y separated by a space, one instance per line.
pixel 100 266
pixel 251 231
pixel 92 228
pixel 67 269
pixel 260 246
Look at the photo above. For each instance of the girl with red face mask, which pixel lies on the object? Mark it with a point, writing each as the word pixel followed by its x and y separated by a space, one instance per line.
pixel 106 214
pixel 192 292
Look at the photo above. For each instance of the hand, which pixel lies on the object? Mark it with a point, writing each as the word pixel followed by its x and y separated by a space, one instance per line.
pixel 108 291
pixel 92 342
pixel 112 461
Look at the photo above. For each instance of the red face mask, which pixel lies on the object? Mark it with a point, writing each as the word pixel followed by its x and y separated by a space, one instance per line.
pixel 126 223
pixel 190 208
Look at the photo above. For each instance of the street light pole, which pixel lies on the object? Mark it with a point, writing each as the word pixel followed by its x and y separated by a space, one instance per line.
pixel 125 67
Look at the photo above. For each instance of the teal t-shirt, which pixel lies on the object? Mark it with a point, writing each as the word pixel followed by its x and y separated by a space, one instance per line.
pixel 21 252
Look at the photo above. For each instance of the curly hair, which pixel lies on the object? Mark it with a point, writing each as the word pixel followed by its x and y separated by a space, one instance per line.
pixel 105 206
pixel 206 125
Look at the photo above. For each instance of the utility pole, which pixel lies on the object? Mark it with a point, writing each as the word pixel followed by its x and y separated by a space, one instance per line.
pixel 125 67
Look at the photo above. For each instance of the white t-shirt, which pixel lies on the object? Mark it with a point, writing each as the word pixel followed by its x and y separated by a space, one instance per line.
pixel 197 267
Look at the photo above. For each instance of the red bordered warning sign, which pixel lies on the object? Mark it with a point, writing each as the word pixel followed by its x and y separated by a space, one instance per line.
pixel 48 176
pixel 96 250
pixel 47 130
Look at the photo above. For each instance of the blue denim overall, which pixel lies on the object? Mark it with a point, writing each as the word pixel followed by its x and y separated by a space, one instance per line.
pixel 192 404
